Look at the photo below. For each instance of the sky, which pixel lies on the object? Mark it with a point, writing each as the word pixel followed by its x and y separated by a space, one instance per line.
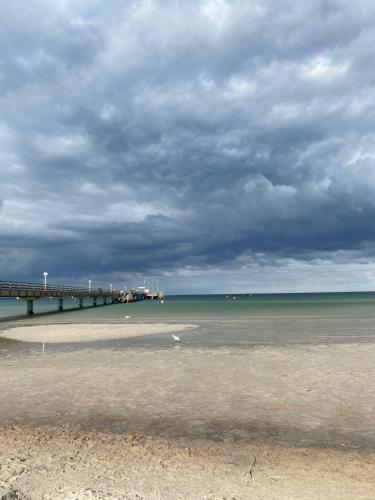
pixel 209 145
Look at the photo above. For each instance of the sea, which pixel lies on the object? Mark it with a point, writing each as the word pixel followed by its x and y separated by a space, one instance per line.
pixel 225 320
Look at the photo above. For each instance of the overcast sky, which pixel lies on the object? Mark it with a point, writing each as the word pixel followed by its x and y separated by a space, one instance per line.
pixel 215 145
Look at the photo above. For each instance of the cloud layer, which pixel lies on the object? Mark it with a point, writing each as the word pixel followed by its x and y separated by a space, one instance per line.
pixel 174 138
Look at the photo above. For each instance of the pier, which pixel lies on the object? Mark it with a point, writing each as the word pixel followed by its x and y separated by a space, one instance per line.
pixel 99 296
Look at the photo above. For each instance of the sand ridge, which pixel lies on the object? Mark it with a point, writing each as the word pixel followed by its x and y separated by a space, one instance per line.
pixel 88 332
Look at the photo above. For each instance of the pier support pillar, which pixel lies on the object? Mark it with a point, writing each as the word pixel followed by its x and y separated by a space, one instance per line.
pixel 30 306
pixel 80 303
pixel 95 301
pixel 61 304
pixel 113 300
pixel 104 301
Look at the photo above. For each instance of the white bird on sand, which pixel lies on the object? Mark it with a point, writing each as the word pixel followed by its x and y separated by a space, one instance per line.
pixel 127 316
pixel 175 337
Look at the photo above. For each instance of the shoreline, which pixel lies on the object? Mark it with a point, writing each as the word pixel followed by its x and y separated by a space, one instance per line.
pixel 67 463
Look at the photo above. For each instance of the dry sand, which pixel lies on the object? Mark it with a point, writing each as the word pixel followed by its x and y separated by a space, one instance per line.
pixel 88 332
pixel 63 463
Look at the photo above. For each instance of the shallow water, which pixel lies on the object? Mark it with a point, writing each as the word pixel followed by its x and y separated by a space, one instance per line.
pixel 313 395
pixel 223 321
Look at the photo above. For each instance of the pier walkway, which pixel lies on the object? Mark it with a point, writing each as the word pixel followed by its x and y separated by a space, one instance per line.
pixel 34 291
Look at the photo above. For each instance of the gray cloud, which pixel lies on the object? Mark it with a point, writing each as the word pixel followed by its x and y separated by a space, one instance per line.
pixel 159 137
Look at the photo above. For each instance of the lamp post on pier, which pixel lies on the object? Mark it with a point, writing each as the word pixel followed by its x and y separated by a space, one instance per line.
pixel 89 286
pixel 45 274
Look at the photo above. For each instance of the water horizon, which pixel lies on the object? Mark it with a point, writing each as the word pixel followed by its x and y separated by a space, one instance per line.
pixel 223 320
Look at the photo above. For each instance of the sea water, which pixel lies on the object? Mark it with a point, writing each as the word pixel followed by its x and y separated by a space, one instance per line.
pixel 231 320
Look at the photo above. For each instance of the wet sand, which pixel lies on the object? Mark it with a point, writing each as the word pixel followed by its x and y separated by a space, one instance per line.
pixel 314 395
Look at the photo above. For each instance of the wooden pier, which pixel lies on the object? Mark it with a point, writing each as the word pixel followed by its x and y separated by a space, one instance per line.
pixel 35 291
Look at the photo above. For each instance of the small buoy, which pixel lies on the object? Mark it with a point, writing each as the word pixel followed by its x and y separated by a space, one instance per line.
pixel 162 301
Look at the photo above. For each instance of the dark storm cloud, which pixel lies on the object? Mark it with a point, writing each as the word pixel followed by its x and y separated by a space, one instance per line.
pixel 161 136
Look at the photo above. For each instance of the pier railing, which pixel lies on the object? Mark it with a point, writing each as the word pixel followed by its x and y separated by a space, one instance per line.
pixel 23 289
pixel 35 291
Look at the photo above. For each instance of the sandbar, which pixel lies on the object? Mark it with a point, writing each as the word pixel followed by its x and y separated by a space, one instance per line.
pixel 89 332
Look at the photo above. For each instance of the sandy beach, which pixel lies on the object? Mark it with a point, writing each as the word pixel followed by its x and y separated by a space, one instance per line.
pixel 64 463
pixel 268 422
pixel 304 395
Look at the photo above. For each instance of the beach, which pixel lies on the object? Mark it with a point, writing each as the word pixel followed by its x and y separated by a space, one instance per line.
pixel 196 398
pixel 65 463
pixel 267 422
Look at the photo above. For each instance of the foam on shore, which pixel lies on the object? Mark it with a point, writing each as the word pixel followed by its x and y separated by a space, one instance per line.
pixel 82 332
